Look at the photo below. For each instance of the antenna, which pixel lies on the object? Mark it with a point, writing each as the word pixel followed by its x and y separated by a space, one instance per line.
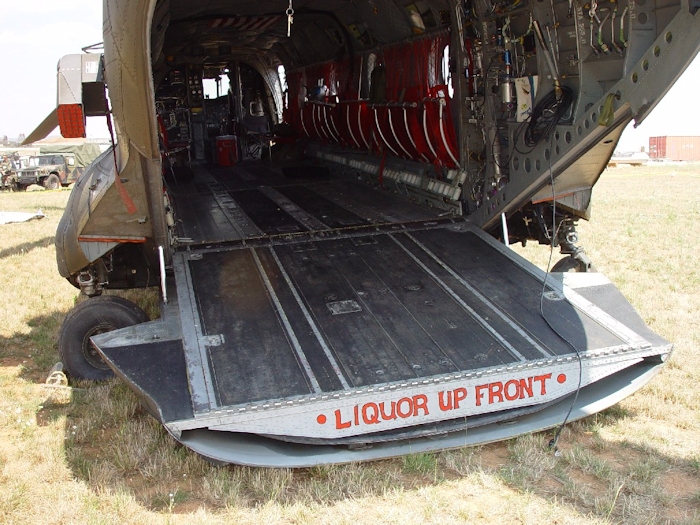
pixel 100 46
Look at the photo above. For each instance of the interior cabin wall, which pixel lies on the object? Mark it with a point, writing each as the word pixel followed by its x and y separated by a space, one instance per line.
pixel 370 78
pixel 394 100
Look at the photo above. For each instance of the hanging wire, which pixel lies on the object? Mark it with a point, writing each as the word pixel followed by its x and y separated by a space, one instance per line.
pixel 555 231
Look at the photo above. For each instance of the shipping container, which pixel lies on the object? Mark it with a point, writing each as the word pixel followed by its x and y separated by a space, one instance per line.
pixel 674 148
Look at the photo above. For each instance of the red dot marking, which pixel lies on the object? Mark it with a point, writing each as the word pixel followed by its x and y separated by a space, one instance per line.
pixel 561 378
pixel 321 419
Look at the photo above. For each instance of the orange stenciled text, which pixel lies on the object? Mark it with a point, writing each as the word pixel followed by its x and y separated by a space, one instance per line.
pixel 374 413
pixel 420 406
pixel 499 391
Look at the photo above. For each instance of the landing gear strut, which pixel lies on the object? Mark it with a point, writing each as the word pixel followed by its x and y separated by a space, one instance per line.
pixel 576 259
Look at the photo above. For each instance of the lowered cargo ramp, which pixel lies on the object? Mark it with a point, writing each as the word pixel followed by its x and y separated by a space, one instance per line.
pixel 305 328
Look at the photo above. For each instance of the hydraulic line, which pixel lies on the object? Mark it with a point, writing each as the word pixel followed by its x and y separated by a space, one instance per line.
pixel 613 40
pixel 602 45
pixel 549 59
pixel 622 26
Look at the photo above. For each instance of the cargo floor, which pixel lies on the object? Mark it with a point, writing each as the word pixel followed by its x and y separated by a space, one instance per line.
pixel 310 287
pixel 255 199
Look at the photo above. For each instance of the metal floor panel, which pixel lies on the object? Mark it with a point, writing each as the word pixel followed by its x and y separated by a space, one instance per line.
pixel 307 318
pixel 250 200
pixel 311 286
pixel 256 360
pixel 513 290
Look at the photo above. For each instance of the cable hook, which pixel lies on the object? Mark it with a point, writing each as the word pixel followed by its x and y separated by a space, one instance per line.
pixel 591 11
pixel 290 18
pixel 593 17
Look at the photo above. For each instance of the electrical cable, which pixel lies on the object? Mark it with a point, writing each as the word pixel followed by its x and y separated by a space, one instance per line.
pixel 516 137
pixel 540 124
pixel 546 115
pixel 555 231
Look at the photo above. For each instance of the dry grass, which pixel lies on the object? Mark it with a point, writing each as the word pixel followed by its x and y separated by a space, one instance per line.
pixel 92 455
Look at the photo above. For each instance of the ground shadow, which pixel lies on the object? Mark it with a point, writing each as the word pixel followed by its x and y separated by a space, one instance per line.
pixel 111 442
pixel 26 247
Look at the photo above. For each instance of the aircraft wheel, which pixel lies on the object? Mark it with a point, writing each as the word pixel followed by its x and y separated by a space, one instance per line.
pixel 570 264
pixel 52 182
pixel 94 316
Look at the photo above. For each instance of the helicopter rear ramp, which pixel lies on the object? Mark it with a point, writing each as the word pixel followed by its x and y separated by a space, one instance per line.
pixel 380 336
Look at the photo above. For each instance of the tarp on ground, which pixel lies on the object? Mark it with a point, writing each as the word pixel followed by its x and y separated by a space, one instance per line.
pixel 7 217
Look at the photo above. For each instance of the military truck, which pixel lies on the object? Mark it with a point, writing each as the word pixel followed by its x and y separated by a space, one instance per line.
pixel 50 171
pixel 56 165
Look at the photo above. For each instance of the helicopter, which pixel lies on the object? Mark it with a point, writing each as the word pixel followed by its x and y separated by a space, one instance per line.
pixel 329 228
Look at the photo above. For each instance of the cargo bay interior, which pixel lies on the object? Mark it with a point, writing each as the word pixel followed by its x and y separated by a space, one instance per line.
pixel 332 168
pixel 428 99
pixel 378 97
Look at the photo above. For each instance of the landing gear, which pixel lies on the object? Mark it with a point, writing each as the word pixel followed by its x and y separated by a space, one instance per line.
pixel 93 316
pixel 574 263
pixel 576 259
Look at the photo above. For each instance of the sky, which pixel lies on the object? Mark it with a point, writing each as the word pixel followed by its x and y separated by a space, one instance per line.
pixel 35 34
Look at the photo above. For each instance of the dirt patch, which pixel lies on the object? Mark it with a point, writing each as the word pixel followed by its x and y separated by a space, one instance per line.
pixel 12 361
pixel 680 484
pixel 590 481
pixel 493 456
pixel 684 493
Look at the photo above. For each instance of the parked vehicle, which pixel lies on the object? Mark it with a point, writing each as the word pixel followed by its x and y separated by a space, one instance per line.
pixel 57 165
pixel 50 171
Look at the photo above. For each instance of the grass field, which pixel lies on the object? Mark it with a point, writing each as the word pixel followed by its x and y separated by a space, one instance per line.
pixel 90 455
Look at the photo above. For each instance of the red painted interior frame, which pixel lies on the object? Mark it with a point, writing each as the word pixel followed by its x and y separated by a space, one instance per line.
pixel 356 115
pixel 439 128
pixel 415 122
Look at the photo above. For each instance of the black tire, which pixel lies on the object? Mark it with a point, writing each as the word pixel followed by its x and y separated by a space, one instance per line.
pixel 94 316
pixel 569 264
pixel 52 182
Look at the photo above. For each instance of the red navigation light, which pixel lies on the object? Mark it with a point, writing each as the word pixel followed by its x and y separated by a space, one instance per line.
pixel 71 121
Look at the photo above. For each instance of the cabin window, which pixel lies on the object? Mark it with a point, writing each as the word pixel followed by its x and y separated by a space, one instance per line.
pixel 445 71
pixel 216 87
pixel 283 85
pixel 367 80
pixel 282 73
